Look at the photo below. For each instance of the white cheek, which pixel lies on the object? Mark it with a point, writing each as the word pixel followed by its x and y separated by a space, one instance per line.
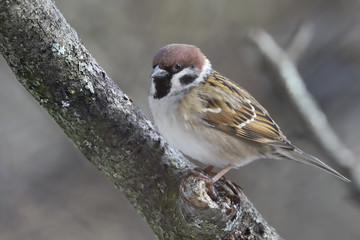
pixel 176 85
pixel 152 88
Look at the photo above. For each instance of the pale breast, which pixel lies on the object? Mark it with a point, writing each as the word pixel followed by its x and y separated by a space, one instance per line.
pixel 174 128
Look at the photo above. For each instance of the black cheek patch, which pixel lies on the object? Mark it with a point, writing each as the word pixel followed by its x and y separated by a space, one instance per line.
pixel 187 79
pixel 162 86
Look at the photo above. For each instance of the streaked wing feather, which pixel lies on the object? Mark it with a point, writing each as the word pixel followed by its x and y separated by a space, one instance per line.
pixel 236 112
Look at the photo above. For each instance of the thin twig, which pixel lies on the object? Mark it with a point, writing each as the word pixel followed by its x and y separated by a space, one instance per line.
pixel 300 41
pixel 287 74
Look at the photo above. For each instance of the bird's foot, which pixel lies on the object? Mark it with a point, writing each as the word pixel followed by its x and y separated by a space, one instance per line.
pixel 201 173
pixel 207 170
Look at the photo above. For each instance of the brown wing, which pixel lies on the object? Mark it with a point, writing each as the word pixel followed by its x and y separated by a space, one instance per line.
pixel 233 110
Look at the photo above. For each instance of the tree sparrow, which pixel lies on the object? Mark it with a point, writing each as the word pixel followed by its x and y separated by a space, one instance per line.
pixel 212 119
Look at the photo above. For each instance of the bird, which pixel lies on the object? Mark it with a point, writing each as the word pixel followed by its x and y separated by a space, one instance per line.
pixel 212 119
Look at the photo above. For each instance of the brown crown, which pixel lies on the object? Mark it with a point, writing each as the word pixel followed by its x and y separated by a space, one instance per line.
pixel 179 53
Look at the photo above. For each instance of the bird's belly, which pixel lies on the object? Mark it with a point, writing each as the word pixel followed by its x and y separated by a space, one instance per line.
pixel 202 148
pixel 193 146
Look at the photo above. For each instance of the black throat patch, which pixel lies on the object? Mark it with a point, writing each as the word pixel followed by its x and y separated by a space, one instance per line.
pixel 162 86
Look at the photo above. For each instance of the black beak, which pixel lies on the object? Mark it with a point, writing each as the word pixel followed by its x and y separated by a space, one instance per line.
pixel 158 73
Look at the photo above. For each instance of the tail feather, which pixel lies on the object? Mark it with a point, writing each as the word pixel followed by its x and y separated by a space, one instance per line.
pixel 305 158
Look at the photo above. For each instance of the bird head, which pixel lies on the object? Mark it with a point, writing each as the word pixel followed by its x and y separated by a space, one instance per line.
pixel 176 69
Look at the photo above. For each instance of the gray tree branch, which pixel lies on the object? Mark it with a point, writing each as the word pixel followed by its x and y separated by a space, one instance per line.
pixel 50 61
pixel 281 65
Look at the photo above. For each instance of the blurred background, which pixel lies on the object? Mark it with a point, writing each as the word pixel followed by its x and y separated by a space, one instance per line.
pixel 49 190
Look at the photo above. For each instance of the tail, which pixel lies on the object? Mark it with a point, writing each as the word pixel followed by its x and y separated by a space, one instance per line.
pixel 299 156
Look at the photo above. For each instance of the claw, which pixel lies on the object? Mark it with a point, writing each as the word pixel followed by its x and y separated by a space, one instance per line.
pixel 201 173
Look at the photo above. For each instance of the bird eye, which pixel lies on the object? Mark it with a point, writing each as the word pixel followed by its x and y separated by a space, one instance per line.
pixel 176 68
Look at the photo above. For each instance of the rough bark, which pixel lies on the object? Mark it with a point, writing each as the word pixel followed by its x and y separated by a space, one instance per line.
pixel 50 61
